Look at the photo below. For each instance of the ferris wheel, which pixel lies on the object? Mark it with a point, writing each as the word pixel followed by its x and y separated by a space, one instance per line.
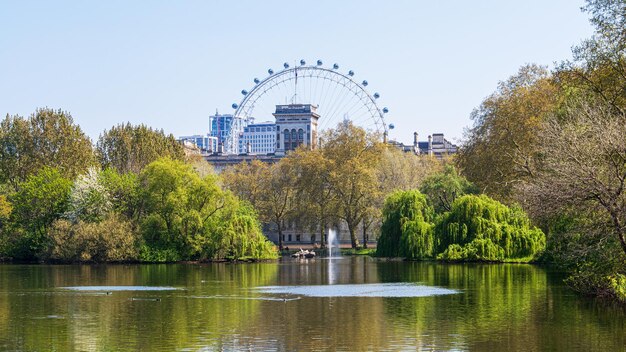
pixel 338 97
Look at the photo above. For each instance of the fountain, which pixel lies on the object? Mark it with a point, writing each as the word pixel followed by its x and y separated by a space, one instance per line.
pixel 333 244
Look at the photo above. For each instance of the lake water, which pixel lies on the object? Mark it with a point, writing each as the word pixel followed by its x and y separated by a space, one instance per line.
pixel 348 304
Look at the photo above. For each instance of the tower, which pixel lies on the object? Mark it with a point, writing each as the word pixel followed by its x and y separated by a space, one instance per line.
pixel 296 124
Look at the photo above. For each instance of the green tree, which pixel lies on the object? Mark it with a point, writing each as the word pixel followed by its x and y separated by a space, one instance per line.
pixel 129 148
pixel 314 197
pixel 481 228
pixel 47 138
pixel 189 217
pixel 41 199
pixel 500 149
pixel 598 67
pixel 407 229
pixel 269 188
pixel 353 156
pixel 443 188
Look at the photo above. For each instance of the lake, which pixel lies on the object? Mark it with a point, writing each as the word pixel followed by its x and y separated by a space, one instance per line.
pixel 347 304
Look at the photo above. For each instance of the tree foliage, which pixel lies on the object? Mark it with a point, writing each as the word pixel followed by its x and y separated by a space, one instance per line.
pixel 188 216
pixel 47 138
pixel 89 199
pixel 109 240
pixel 353 157
pixel 584 167
pixel 128 148
pixel 500 149
pixel 41 199
pixel 407 229
pixel 443 188
pixel 480 228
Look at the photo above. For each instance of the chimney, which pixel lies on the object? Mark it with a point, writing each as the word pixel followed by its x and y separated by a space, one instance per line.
pixel 248 148
pixel 430 145
pixel 415 139
pixel 220 148
pixel 385 137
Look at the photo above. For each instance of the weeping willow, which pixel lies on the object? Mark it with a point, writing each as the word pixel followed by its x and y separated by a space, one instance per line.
pixel 407 229
pixel 480 228
pixel 477 228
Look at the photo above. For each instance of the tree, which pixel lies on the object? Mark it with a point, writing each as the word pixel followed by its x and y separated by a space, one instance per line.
pixel 500 149
pixel 185 216
pixel 47 138
pixel 584 166
pixel 353 157
pixel 269 188
pixel 443 188
pixel 314 197
pixel 398 170
pixel 41 199
pixel 129 148
pixel 407 229
pixel 481 228
pixel 599 63
pixel 89 200
pixel 5 210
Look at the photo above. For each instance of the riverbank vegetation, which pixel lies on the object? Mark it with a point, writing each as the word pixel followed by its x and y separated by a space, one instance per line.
pixel 134 197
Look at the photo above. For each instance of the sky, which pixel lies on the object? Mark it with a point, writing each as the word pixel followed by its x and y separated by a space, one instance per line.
pixel 170 64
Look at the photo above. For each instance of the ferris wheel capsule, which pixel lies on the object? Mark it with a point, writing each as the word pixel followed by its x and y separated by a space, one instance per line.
pixel 385 110
pixel 234 106
pixel 335 66
pixel 350 73
pixel 302 62
pixel 244 92
pixel 319 62
pixel 256 80
pixel 376 95
pixel 392 126
pixel 270 71
pixel 286 65
pixel 364 83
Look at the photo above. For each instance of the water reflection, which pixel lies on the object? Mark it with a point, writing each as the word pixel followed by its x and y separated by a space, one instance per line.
pixel 364 290
pixel 497 307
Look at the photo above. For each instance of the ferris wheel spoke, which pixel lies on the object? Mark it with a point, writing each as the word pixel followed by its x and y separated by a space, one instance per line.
pixel 337 95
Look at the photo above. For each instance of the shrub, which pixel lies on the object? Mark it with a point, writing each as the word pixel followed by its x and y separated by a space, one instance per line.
pixel 109 240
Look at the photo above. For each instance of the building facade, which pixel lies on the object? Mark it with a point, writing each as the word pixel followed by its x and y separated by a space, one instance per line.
pixel 206 144
pixel 296 124
pixel 219 126
pixel 258 138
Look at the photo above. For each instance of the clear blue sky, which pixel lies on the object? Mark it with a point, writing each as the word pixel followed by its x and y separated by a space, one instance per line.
pixel 170 64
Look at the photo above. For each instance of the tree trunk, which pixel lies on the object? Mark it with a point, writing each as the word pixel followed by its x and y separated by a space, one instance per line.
pixel 365 236
pixel 353 239
pixel 280 238
pixel 619 230
pixel 323 238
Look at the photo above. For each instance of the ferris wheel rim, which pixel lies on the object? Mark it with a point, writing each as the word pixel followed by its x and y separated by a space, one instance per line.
pixel 240 107
pixel 243 110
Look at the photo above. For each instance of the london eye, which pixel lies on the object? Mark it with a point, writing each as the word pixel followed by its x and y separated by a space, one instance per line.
pixel 338 96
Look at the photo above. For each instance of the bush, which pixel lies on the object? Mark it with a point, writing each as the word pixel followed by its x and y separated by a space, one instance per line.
pixel 111 240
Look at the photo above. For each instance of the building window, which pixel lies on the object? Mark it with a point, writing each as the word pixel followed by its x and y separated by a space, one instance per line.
pixel 298 238
pixel 289 238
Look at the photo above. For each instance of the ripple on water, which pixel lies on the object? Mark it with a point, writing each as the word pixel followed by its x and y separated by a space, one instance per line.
pixel 362 290
pixel 120 288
